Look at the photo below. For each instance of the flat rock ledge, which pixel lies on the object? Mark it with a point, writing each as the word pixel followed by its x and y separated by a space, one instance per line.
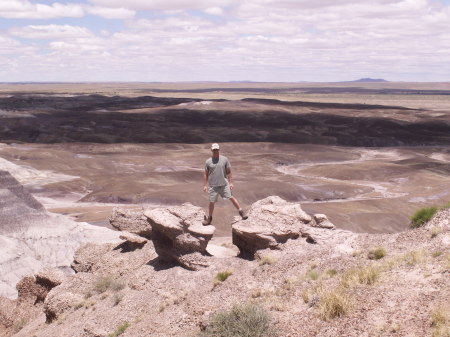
pixel 271 222
pixel 133 221
pixel 179 236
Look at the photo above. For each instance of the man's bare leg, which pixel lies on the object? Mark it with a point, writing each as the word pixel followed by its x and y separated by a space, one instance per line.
pixel 211 208
pixel 238 207
pixel 235 203
pixel 207 221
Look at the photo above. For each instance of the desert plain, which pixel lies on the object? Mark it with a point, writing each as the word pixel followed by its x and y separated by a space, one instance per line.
pixel 365 154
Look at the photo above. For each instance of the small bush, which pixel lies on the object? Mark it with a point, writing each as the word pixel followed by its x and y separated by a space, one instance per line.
pixel 376 254
pixel 422 216
pixel 223 275
pixel 117 299
pixel 267 259
pixel 435 232
pixel 120 330
pixel 19 325
pixel 364 275
pixel 414 257
pixel 107 282
pixel 437 254
pixel 333 303
pixel 247 320
pixel 331 272
pixel 313 275
pixel 440 322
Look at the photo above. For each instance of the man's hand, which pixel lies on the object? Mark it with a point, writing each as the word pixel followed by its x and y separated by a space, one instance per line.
pixel 231 186
pixel 205 188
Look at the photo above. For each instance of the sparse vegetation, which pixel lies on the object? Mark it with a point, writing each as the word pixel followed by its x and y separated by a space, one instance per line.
pixel 305 295
pixel 223 275
pixel 365 275
pixel 435 232
pixel 414 257
pixel 436 254
pixel 20 324
pixel 422 216
pixel 247 320
pixel 333 303
pixel 118 298
pixel 313 275
pixel 120 330
pixel 331 272
pixel 267 259
pixel 440 322
pixel 108 282
pixel 376 254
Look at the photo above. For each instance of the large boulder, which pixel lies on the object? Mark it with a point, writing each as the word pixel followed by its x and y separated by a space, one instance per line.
pixel 133 221
pixel 271 222
pixel 179 236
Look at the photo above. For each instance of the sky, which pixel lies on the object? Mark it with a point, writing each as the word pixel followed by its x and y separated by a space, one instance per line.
pixel 224 40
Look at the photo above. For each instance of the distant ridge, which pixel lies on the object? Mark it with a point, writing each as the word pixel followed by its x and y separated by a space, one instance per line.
pixel 368 79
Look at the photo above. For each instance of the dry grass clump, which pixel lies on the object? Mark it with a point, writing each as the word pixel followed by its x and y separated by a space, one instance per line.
pixel 331 272
pixel 333 303
pixel 365 275
pixel 440 322
pixel 414 257
pixel 120 330
pixel 435 231
pixel 20 324
pixel 266 259
pixel 376 254
pixel 108 282
pixel 246 320
pixel 313 275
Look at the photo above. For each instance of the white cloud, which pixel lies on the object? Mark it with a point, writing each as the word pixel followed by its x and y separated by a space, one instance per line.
pixel 165 4
pixel 23 9
pixel 111 13
pixel 278 40
pixel 50 32
pixel 214 11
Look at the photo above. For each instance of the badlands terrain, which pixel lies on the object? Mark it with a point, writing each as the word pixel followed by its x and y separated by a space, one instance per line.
pixel 365 154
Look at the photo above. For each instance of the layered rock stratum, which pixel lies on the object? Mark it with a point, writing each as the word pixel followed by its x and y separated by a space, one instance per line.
pixel 31 238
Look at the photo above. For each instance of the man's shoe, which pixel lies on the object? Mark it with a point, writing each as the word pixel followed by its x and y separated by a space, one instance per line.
pixel 207 220
pixel 242 214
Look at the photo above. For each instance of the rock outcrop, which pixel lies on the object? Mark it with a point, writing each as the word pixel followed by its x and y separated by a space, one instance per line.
pixel 271 222
pixel 133 221
pixel 179 236
pixel 31 238
pixel 322 221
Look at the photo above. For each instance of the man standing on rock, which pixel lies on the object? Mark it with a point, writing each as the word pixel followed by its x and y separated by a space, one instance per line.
pixel 217 179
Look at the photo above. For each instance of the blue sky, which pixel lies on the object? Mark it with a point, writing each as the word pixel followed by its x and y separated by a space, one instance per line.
pixel 224 40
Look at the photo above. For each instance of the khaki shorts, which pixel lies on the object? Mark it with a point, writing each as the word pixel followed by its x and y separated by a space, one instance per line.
pixel 223 191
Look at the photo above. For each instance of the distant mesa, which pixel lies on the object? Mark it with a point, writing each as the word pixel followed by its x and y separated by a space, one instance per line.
pixel 368 79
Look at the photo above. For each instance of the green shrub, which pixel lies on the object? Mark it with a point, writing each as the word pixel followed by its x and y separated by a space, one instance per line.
pixel 331 272
pixel 422 216
pixel 120 330
pixel 376 254
pixel 247 320
pixel 223 275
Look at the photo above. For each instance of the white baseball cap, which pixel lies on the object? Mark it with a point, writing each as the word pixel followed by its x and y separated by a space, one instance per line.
pixel 215 146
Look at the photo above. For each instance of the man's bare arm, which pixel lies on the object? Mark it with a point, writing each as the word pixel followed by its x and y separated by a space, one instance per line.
pixel 205 178
pixel 230 177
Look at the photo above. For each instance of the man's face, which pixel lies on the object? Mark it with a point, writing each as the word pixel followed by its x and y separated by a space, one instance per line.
pixel 215 153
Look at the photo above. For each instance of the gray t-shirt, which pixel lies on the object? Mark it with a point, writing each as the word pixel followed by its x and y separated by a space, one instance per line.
pixel 217 170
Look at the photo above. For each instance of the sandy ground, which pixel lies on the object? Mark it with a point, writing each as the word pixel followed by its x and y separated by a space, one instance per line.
pixel 365 190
